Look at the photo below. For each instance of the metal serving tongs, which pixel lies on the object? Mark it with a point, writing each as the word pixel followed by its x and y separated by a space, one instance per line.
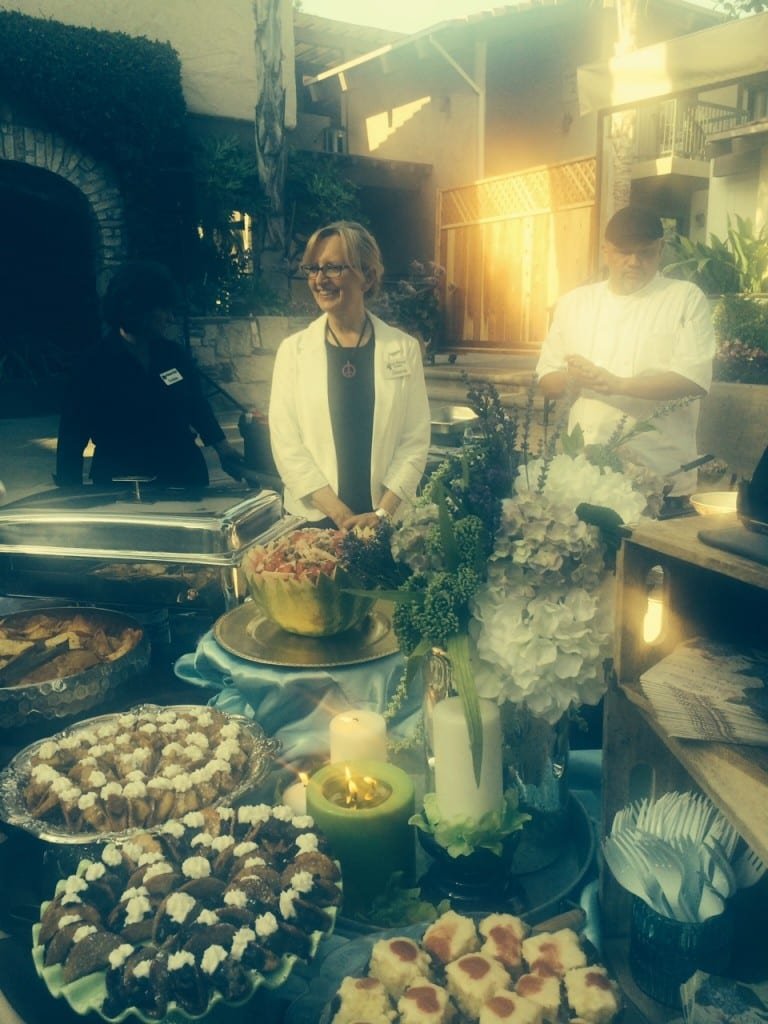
pixel 685 468
pixel 679 505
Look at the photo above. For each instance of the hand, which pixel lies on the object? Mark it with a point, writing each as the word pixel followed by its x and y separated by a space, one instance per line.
pixel 232 462
pixel 252 479
pixel 362 519
pixel 590 375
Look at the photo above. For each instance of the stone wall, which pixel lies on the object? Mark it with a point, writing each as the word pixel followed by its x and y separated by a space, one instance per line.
pixel 238 353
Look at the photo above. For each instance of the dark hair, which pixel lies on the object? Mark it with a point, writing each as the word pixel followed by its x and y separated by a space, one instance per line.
pixel 634 225
pixel 136 290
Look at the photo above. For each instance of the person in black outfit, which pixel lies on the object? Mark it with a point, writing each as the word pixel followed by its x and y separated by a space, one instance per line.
pixel 138 396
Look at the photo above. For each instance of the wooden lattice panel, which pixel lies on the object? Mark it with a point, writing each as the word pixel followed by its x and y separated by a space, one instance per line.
pixel 510 246
pixel 542 189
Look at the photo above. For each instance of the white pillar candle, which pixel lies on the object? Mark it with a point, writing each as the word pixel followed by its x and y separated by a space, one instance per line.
pixel 295 797
pixel 457 794
pixel 358 735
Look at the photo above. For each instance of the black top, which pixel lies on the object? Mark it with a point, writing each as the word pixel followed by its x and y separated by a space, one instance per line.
pixel 351 393
pixel 142 422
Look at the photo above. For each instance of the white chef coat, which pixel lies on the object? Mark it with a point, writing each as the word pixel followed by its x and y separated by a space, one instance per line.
pixel 664 326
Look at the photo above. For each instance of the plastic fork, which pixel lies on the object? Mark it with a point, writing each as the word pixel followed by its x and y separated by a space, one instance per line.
pixel 633 877
pixel 725 834
pixel 633 872
pixel 748 868
pixel 716 867
pixel 669 870
pixel 711 903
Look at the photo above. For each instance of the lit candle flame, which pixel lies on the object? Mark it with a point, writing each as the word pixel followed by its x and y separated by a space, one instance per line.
pixel 357 795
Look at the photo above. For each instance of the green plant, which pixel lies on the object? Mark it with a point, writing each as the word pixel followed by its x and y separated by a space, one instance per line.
pixel 221 280
pixel 738 264
pixel 225 181
pixel 414 303
pixel 316 193
pixel 742 318
pixel 119 98
pixel 741 329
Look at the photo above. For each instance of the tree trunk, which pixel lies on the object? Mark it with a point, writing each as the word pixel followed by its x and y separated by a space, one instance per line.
pixel 622 123
pixel 270 143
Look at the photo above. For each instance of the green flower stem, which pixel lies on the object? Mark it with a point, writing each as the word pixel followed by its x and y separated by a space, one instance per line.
pixel 458 653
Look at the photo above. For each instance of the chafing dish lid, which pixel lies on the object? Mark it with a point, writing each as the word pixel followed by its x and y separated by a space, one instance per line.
pixel 210 527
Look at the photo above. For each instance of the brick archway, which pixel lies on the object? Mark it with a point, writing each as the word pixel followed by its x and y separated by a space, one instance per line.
pixel 38 147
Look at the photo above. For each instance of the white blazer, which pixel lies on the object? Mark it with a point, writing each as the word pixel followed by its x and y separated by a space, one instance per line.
pixel 300 419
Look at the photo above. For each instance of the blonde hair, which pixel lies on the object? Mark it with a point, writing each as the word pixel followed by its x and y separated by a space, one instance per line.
pixel 361 249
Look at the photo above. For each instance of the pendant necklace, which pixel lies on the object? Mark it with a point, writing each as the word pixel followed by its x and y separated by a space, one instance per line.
pixel 348 370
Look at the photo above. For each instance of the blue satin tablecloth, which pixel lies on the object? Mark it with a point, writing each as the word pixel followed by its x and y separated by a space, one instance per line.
pixel 295 705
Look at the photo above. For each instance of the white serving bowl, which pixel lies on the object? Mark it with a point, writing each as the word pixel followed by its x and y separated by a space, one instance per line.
pixel 714 503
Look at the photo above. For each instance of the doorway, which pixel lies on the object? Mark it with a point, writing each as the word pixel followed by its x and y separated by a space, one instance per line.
pixel 47 285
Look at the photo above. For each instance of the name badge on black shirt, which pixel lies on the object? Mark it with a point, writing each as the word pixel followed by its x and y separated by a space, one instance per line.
pixel 171 376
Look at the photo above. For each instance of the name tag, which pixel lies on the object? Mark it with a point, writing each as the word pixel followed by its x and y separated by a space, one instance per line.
pixel 171 376
pixel 395 364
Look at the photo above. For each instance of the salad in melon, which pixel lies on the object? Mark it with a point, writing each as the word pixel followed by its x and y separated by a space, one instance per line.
pixel 299 582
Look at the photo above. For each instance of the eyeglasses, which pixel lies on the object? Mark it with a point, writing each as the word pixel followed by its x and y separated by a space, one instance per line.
pixel 331 270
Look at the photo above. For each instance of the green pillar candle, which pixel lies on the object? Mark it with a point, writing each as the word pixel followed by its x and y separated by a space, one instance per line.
pixel 372 839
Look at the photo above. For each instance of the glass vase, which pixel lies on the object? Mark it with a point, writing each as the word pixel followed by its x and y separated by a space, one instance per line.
pixel 535 759
pixel 438 684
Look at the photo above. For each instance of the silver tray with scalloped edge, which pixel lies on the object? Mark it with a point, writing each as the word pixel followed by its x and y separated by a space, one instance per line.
pixel 14 777
pixel 63 697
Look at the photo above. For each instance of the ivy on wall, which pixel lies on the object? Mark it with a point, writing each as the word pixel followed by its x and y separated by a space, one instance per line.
pixel 119 98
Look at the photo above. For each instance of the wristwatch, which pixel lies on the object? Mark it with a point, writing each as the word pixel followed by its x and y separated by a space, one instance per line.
pixel 381 513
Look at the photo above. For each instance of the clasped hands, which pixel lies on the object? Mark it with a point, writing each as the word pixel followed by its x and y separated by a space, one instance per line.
pixel 589 375
pixel 361 519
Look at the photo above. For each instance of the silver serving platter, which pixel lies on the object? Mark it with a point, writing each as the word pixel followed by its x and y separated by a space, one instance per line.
pixel 14 777
pixel 66 696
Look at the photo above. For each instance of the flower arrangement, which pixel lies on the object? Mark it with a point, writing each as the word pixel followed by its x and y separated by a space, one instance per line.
pixel 502 562
pixel 541 621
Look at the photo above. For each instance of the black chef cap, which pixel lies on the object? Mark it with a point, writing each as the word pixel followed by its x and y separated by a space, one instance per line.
pixel 634 225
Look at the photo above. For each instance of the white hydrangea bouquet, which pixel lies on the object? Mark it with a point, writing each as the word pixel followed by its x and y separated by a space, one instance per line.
pixel 541 622
pixel 504 562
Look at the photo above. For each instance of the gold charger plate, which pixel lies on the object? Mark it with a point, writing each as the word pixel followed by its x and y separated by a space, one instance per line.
pixel 246 632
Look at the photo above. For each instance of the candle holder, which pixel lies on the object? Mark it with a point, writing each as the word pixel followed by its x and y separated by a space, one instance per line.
pixel 477 882
pixel 370 835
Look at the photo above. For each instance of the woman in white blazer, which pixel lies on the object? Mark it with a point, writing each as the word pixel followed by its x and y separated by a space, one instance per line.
pixel 349 417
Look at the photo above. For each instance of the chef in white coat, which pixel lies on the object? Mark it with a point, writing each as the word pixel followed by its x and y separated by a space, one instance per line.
pixel 631 343
pixel 349 417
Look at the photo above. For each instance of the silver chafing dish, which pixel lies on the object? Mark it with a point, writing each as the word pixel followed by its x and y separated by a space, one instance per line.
pixel 130 548
pixel 449 422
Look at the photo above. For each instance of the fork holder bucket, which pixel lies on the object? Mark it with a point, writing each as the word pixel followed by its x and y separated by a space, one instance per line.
pixel 663 954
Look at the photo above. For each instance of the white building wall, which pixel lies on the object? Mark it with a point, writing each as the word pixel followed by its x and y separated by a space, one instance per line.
pixel 761 212
pixel 733 194
pixel 214 41
pixel 396 121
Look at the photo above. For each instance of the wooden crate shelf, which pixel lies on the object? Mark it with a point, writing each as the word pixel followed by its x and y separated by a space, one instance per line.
pixel 705 592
